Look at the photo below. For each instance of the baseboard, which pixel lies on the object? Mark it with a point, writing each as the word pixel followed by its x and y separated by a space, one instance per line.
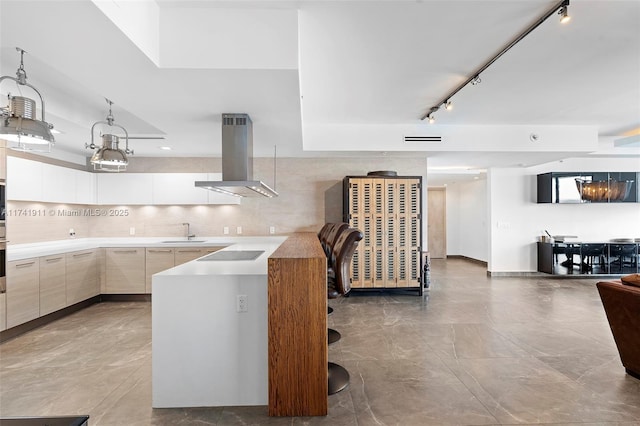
pixel 468 259
pixel 53 316
pixel 125 297
pixel 44 320
pixel 519 274
pixel 543 275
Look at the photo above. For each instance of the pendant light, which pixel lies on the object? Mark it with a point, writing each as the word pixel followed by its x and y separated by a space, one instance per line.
pixel 109 157
pixel 18 123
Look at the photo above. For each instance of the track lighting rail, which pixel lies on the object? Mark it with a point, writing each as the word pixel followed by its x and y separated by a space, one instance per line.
pixel 560 7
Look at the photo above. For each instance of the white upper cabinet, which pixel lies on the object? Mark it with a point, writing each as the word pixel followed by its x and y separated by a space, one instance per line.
pixel 58 184
pixel 85 187
pixel 124 188
pixel 178 188
pixel 24 179
pixel 30 180
pixel 35 181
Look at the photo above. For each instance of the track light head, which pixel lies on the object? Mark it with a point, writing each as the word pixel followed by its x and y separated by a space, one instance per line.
pixel 476 80
pixel 448 105
pixel 564 14
pixel 431 118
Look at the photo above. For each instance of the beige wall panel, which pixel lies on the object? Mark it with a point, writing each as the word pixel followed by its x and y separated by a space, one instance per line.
pixel 437 224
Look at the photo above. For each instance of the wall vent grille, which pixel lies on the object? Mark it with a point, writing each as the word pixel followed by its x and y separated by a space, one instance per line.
pixel 423 138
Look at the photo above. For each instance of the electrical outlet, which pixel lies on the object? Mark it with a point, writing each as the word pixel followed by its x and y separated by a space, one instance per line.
pixel 272 230
pixel 242 303
pixel 239 230
pixel 132 231
pixel 72 232
pixel 225 230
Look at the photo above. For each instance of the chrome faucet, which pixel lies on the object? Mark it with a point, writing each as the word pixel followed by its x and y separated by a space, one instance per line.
pixel 189 234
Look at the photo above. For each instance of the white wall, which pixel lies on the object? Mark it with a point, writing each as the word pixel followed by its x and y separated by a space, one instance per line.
pixel 516 220
pixel 467 233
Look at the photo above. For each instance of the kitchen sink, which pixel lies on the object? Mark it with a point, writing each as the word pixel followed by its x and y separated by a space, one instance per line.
pixel 183 241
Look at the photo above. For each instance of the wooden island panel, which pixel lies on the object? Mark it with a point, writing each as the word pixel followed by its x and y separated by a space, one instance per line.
pixel 297 295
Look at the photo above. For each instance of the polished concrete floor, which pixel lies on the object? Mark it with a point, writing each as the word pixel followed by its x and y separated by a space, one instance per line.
pixel 473 351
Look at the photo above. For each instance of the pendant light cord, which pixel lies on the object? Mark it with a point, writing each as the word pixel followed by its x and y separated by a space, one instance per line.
pixel 274 167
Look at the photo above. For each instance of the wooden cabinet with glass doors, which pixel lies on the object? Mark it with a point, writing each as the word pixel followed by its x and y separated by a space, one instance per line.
pixel 388 211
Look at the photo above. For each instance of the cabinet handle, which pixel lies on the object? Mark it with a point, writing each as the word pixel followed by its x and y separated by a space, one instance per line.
pixel 53 259
pixel 125 251
pixel 82 254
pixel 160 251
pixel 24 265
pixel 189 251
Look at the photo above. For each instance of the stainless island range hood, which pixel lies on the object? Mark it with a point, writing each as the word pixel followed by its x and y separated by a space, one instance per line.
pixel 237 161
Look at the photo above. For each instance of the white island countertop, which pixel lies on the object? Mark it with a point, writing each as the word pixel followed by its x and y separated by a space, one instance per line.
pixel 47 248
pixel 209 348
pixel 256 266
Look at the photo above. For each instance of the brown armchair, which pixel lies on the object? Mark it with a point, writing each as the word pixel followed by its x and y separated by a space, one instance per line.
pixel 622 305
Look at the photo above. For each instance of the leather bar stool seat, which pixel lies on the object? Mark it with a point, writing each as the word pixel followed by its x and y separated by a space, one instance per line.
pixel 341 256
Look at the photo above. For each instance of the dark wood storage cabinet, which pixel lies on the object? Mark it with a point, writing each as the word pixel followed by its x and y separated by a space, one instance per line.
pixel 388 211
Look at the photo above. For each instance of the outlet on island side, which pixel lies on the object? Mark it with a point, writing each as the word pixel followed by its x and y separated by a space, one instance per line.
pixel 242 303
pixel 272 230
pixel 239 230
pixel 225 230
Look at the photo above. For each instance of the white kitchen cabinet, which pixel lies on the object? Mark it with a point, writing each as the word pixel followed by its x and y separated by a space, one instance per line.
pixel 58 184
pixel 53 283
pixel 125 270
pixel 85 187
pixel 178 188
pixel 24 179
pixel 157 260
pixel 23 291
pixel 3 311
pixel 35 181
pixel 124 188
pixel 82 275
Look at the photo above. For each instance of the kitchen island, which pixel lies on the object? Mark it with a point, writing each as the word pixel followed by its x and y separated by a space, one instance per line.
pixel 209 329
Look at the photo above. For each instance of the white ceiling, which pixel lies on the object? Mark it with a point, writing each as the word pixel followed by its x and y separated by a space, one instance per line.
pixel 345 68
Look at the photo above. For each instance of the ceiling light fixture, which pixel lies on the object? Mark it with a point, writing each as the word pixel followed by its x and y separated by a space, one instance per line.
pixel 560 7
pixel 19 124
pixel 430 116
pixel 564 14
pixel 109 157
pixel 448 105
